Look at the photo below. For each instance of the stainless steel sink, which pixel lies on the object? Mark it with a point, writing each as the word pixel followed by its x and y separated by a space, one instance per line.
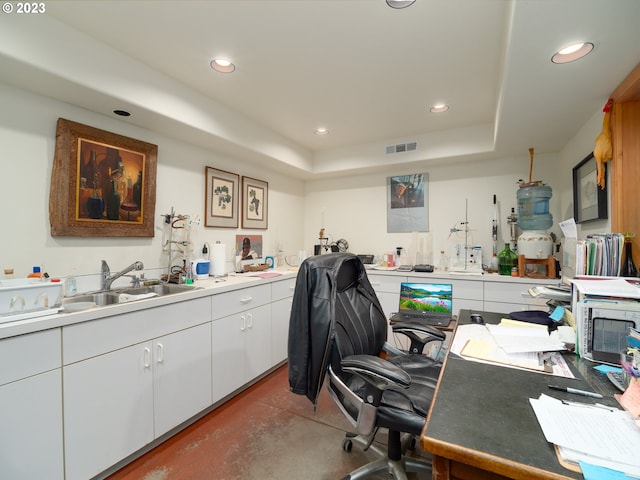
pixel 99 298
pixel 111 297
pixel 161 289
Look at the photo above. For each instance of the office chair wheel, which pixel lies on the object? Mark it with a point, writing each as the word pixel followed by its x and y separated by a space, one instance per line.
pixel 347 445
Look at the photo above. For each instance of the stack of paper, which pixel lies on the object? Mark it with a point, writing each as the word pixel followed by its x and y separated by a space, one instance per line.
pixel 592 434
pixel 513 344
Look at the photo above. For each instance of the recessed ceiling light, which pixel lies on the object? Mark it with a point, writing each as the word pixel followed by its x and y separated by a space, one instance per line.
pixel 400 3
pixel 439 108
pixel 321 131
pixel 572 52
pixel 122 113
pixel 222 65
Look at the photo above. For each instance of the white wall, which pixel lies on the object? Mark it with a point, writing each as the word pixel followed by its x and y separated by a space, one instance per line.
pixel 350 207
pixel 354 208
pixel 27 140
pixel 573 153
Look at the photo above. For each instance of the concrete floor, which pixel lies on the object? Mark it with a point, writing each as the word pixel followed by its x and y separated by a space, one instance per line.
pixel 266 433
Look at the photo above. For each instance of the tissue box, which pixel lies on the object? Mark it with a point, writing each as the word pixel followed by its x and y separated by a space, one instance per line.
pixel 21 296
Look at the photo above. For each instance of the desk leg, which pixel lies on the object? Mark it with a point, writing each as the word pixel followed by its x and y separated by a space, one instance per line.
pixel 440 468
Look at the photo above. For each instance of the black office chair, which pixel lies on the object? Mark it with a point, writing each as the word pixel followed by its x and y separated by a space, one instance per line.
pixel 337 329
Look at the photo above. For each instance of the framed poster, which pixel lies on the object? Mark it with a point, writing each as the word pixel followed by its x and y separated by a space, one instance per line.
pixel 589 201
pixel 102 184
pixel 221 198
pixel 407 203
pixel 255 203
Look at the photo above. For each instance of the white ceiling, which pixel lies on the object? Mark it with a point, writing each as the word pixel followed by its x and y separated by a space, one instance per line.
pixel 365 71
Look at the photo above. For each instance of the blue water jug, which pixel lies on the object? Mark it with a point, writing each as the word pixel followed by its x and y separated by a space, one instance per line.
pixel 533 208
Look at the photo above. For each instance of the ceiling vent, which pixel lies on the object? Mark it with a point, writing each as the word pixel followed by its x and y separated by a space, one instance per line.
pixel 401 147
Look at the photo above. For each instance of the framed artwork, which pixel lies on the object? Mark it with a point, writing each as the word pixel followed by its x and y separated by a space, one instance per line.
pixel 102 184
pixel 221 198
pixel 407 203
pixel 255 203
pixel 589 201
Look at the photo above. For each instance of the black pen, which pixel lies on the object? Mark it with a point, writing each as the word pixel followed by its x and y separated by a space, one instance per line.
pixel 575 390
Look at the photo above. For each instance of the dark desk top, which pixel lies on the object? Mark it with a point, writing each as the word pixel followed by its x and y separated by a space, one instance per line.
pixel 481 415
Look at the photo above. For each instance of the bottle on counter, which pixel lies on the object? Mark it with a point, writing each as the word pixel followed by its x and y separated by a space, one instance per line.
pixel 628 266
pixel 507 260
pixel 36 273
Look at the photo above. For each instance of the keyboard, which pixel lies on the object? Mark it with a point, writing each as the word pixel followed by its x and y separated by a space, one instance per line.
pixel 425 319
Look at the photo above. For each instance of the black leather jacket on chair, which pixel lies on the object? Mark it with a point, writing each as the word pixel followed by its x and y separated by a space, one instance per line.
pixel 310 326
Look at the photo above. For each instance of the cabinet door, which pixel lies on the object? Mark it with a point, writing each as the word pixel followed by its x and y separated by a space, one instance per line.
pixel 108 409
pixel 280 313
pixel 258 333
pixel 229 365
pixel 182 376
pixel 31 433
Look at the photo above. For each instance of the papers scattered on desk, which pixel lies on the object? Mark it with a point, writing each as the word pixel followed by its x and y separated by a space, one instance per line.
pixel 609 287
pixel 597 435
pixel 513 337
pixel 479 343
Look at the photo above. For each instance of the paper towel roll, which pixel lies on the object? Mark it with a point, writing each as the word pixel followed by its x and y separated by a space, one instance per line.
pixel 218 259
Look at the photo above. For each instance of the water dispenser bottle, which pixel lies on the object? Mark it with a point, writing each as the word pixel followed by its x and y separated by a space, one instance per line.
pixel 533 208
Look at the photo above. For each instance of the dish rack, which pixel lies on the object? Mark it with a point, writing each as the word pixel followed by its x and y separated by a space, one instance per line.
pixel 25 298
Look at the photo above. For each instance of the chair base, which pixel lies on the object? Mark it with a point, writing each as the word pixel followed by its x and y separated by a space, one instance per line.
pixel 397 469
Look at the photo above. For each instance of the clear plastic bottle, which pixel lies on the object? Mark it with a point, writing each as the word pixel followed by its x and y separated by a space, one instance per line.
pixel 533 208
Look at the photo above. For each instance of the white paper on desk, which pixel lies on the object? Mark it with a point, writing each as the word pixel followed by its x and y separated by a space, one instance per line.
pixel 464 333
pixel 524 339
pixel 597 432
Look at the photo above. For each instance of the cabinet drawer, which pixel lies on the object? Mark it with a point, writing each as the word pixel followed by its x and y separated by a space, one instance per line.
pixel 282 289
pixel 467 289
pixel 38 352
pixel 226 304
pixel 386 283
pixel 510 293
pixel 96 337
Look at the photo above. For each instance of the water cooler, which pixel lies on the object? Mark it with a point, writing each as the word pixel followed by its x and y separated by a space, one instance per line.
pixel 534 219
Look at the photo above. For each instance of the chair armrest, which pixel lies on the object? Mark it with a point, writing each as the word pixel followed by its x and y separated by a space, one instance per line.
pixel 376 371
pixel 412 331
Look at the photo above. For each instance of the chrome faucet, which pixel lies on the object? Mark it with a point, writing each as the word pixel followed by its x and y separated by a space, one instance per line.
pixel 108 279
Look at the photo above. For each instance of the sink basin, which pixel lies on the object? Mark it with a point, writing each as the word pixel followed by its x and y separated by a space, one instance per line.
pixel 113 296
pixel 99 298
pixel 161 289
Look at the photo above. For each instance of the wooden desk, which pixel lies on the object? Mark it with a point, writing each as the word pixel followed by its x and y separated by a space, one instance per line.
pixel 482 426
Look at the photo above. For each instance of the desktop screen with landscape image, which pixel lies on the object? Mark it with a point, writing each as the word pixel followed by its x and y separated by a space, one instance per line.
pixel 427 297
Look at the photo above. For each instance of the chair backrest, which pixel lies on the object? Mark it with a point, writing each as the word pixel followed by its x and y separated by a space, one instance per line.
pixel 335 313
pixel 360 325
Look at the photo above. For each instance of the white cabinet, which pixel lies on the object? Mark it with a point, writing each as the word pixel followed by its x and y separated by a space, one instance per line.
pixel 130 378
pixel 31 407
pixel 241 338
pixel 506 297
pixel 108 409
pixel 181 376
pixel 282 299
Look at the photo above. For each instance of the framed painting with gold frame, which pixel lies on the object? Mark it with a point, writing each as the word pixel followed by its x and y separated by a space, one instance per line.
pixel 102 184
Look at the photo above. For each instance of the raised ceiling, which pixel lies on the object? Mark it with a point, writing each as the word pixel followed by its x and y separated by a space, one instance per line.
pixel 365 71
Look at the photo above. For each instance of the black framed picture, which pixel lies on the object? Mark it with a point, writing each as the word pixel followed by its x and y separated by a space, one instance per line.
pixel 589 200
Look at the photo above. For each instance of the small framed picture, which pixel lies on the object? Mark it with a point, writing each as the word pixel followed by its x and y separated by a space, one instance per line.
pixel 255 203
pixel 221 198
pixel 589 200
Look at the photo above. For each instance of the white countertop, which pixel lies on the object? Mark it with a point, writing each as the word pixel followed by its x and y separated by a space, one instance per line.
pixel 206 288
pixel 484 277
